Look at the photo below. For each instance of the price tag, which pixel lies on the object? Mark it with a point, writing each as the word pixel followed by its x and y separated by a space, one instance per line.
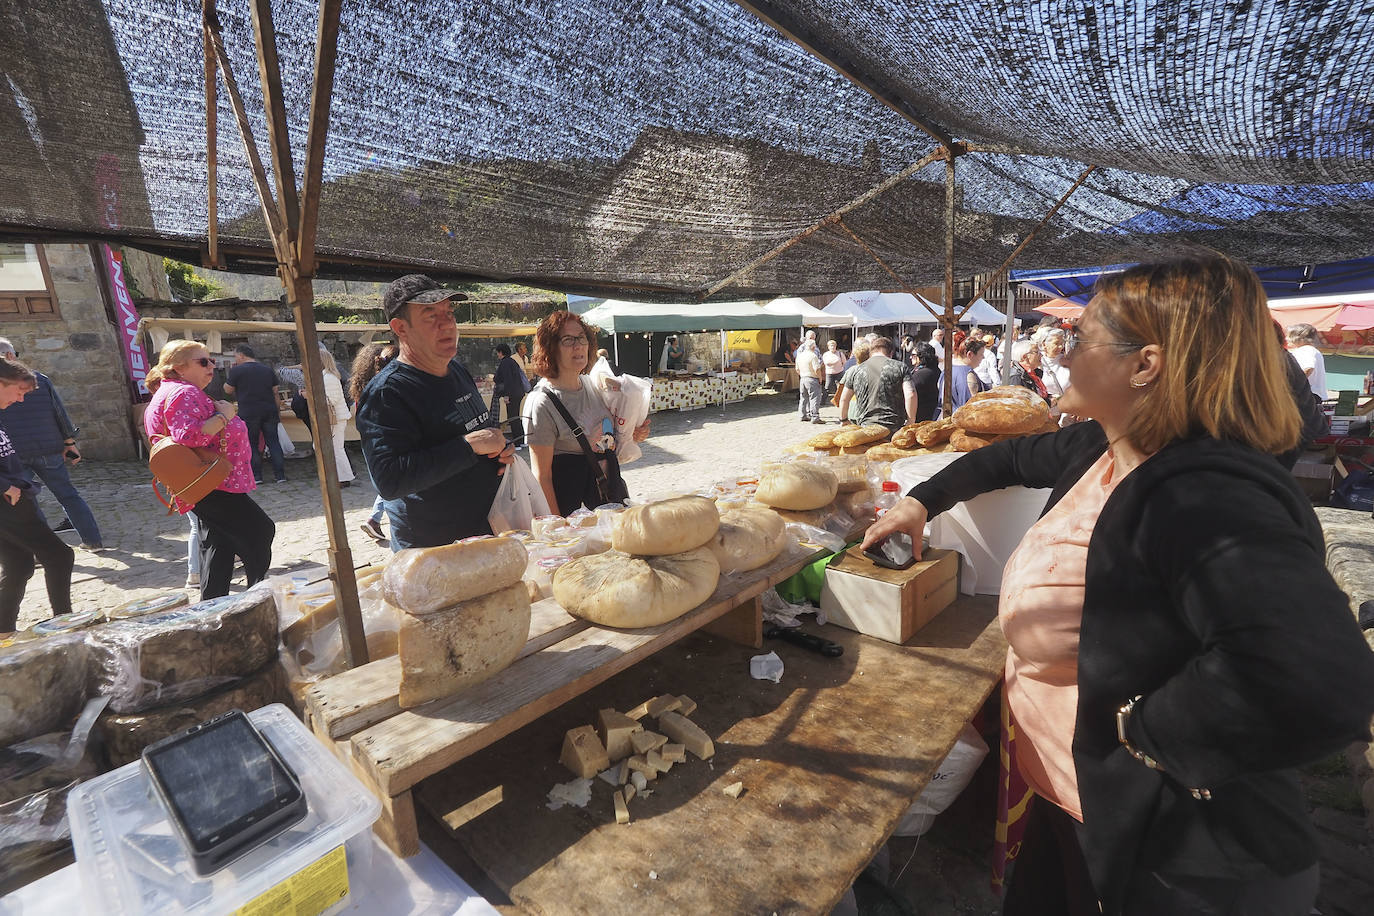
pixel 308 892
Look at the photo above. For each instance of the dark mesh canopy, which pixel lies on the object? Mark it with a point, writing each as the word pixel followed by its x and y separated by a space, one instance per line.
pixel 652 148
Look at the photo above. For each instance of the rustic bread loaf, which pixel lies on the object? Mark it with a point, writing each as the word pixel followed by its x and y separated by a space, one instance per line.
pixel 860 435
pixel 906 436
pixel 935 433
pixel 748 538
pixel 422 580
pixel 824 440
pixel 797 485
pixel 1000 416
pixel 617 590
pixel 665 528
pixel 964 441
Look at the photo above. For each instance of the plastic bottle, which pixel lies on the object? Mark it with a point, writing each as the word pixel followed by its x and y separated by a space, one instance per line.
pixel 892 491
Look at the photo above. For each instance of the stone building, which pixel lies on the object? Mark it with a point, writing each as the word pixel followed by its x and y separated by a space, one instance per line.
pixel 57 307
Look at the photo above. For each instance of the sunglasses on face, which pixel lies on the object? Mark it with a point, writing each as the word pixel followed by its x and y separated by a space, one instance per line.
pixel 204 362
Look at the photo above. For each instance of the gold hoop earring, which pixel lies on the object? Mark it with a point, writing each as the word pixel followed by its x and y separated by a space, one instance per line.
pixel 1136 383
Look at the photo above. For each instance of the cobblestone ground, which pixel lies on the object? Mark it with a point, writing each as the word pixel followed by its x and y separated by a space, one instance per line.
pixel 146 548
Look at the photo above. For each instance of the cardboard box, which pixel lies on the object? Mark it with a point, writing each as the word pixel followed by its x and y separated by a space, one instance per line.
pixel 889 604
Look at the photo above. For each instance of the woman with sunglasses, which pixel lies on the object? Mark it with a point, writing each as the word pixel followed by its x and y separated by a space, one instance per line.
pixel 564 471
pixel 232 524
pixel 1177 646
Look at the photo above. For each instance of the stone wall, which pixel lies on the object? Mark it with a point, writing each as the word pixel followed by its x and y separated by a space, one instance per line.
pixel 81 353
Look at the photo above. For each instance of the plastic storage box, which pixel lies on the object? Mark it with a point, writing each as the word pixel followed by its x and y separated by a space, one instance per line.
pixel 131 862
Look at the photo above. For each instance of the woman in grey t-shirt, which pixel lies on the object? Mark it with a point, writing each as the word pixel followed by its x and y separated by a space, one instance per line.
pixel 562 348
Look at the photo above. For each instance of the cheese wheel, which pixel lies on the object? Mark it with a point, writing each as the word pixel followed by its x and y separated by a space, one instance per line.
pixel 748 538
pixel 664 528
pixel 798 485
pixel 1001 416
pixel 936 432
pixel 422 580
pixel 860 435
pixel 460 646
pixel 616 590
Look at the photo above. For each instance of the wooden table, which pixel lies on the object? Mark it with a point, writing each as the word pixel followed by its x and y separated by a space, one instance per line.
pixel 831 758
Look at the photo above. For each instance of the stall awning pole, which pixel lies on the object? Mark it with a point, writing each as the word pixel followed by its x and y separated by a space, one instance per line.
pixel 1009 334
pixel 293 228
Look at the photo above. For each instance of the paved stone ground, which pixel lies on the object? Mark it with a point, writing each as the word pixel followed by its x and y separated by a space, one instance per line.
pixel 942 874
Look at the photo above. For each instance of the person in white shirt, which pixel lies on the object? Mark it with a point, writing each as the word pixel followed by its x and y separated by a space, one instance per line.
pixel 937 341
pixel 1301 343
pixel 833 358
pixel 809 369
pixel 989 371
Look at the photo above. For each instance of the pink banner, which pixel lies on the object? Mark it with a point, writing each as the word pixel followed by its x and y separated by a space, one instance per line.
pixel 127 319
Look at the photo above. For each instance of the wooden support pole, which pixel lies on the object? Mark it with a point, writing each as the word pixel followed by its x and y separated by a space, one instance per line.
pixel 824 221
pixel 326 52
pixel 211 149
pixel 903 286
pixel 269 73
pixel 949 316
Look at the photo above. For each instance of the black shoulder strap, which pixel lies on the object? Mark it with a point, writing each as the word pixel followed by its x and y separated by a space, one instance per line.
pixel 577 431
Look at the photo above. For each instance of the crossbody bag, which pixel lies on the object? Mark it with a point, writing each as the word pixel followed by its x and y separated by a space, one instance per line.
pixel 605 488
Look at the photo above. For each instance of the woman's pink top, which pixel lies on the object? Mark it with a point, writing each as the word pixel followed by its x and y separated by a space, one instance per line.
pixel 1041 610
pixel 179 410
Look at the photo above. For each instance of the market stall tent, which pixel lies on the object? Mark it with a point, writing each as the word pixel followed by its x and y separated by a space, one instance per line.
pixel 615 316
pixel 806 314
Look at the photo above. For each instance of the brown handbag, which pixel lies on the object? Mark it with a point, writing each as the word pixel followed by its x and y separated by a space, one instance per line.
pixel 185 472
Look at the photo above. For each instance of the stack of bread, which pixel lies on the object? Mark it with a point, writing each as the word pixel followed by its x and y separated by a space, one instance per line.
pixel 1004 412
pixel 661 565
pixel 466 614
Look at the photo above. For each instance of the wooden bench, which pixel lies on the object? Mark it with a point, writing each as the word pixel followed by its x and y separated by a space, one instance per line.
pixel 358 713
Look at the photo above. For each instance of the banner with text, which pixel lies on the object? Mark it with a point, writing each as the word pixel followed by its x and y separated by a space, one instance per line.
pixel 126 318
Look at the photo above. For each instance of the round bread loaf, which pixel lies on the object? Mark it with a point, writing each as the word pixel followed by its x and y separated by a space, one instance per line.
pixel 422 580
pixel 1000 416
pixel 616 590
pixel 748 538
pixel 664 528
pixel 797 485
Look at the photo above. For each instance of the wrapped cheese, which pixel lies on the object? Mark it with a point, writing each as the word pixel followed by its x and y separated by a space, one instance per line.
pixel 42 685
pixel 665 528
pixel 798 485
pixel 748 538
pixel 617 590
pixel 422 580
pixel 457 647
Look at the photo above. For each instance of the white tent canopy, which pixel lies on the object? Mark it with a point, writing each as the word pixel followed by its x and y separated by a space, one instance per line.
pixel 806 314
pixel 853 307
pixel 905 308
pixel 983 313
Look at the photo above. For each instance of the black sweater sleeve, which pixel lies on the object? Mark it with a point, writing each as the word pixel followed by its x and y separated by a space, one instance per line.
pixel 392 445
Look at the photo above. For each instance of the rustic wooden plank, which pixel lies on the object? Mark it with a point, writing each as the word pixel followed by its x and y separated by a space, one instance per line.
pixel 743 625
pixel 396 826
pixel 363 696
pixel 411 745
pixel 830 758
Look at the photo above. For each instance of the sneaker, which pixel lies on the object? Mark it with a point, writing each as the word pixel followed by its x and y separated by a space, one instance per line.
pixel 257 480
pixel 345 483
pixel 281 480
pixel 374 531
pixel 65 525
pixel 193 580
pixel 817 420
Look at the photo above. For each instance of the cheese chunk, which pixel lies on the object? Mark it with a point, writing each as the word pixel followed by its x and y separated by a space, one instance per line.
pixel 444 653
pixel 422 580
pixel 666 703
pixel 674 753
pixel 640 764
pixel 622 772
pixel 622 813
pixel 686 705
pixel 615 730
pixel 687 733
pixel 639 781
pixel 639 711
pixel 630 792
pixel 734 790
pixel 656 761
pixel 583 753
pixel 646 741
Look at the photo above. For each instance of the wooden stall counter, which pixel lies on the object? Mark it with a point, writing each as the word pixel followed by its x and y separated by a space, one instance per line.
pixel 830 759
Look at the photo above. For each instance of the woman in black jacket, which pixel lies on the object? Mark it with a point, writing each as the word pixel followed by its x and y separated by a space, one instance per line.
pixel 1202 651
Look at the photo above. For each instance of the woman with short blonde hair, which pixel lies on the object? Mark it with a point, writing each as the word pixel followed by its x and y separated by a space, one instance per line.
pixel 1177 648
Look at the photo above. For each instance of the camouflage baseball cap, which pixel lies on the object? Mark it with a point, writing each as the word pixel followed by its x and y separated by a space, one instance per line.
pixel 415 288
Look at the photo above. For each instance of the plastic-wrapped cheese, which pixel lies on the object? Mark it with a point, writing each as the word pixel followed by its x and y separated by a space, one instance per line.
pixel 422 580
pixel 460 646
pixel 665 528
pixel 616 590
pixel 798 485
pixel 748 538
pixel 42 685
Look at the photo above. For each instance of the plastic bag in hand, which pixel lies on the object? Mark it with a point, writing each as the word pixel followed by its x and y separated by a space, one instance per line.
pixel 627 397
pixel 519 499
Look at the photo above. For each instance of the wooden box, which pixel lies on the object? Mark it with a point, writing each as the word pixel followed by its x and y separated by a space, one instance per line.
pixel 889 604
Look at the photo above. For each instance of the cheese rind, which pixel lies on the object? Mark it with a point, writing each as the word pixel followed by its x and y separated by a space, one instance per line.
pixel 583 753
pixel 687 733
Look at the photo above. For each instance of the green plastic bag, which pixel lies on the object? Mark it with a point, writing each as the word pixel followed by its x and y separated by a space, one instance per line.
pixel 805 586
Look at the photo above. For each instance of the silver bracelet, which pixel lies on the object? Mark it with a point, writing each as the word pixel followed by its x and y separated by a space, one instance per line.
pixel 1123 718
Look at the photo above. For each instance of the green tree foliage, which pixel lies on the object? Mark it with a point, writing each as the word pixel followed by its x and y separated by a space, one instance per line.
pixel 184 280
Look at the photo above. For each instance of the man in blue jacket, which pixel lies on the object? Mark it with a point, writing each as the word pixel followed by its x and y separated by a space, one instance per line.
pixel 434 452
pixel 45 440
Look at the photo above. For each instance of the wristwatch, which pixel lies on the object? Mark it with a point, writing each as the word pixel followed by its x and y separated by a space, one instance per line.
pixel 1123 718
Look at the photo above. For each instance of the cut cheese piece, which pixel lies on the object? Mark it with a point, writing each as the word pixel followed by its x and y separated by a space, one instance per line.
pixel 622 813
pixel 319 612
pixel 734 789
pixel 622 772
pixel 647 741
pixel 639 711
pixel 464 645
pixel 639 780
pixel 674 753
pixel 615 590
pixel 687 733
pixel 174 656
pixel 748 538
pixel 630 792
pixel 667 527
pixel 656 761
pixel 42 686
pixel 661 704
pixel 640 764
pixel 425 580
pixel 583 753
pixel 686 705
pixel 615 730
pixel 797 485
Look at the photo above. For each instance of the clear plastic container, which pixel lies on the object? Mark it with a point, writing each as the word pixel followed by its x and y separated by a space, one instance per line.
pixel 130 861
pixel 892 491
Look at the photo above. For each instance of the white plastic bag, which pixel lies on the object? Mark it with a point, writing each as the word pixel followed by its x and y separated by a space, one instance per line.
pixel 944 787
pixel 627 397
pixel 518 500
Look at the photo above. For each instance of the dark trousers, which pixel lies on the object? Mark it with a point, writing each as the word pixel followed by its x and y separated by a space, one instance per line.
pixel 232 525
pixel 24 537
pixel 265 426
pixel 1050 876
